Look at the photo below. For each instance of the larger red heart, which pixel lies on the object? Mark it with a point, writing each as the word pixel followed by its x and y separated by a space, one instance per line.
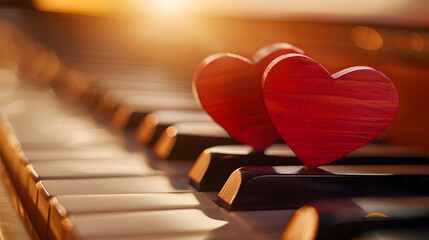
pixel 323 117
pixel 229 87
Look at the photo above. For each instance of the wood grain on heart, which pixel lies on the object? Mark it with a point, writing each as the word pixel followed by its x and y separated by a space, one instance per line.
pixel 229 87
pixel 323 117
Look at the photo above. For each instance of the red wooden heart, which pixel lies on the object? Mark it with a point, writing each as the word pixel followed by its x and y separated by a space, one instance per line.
pixel 323 117
pixel 229 87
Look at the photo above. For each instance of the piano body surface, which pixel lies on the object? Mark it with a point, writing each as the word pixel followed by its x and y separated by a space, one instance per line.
pixel 71 164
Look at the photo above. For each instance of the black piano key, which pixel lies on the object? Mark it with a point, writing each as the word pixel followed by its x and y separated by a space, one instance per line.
pixel 42 67
pixel 397 234
pixel 288 187
pixel 109 100
pixel 140 81
pixel 186 140
pixel 215 164
pixel 133 109
pixel 71 86
pixel 153 124
pixel 108 92
pixel 351 217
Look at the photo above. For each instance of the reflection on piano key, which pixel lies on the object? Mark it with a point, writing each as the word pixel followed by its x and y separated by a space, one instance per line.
pixel 206 224
pixel 267 224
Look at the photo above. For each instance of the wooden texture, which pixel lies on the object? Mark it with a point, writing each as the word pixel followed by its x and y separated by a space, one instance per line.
pixel 229 89
pixel 323 117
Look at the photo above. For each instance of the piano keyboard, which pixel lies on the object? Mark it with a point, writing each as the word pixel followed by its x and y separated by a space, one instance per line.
pixel 78 159
pixel 68 144
pixel 75 176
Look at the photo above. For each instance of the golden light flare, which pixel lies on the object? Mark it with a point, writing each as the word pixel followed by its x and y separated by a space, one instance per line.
pixel 93 7
pixel 371 10
pixel 366 38
pixel 171 131
pixel 416 42
pixel 114 7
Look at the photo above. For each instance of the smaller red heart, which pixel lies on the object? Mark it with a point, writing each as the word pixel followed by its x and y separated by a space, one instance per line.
pixel 229 87
pixel 323 117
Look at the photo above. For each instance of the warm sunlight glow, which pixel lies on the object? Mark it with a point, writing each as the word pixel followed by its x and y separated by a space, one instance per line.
pixel 93 7
pixel 168 7
pixel 382 11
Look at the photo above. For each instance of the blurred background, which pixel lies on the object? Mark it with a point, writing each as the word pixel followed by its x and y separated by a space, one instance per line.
pixel 389 35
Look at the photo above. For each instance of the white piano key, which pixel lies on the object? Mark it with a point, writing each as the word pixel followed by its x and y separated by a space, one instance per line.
pixel 153 224
pixel 77 164
pixel 194 236
pixel 62 207
pixel 52 124
pixel 78 204
pixel 82 136
pixel 65 169
pixel 148 184
pixel 74 169
pixel 37 155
